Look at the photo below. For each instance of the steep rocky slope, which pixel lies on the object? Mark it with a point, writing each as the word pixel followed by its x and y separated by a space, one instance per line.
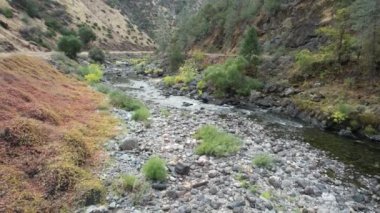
pixel 39 29
pixel 149 15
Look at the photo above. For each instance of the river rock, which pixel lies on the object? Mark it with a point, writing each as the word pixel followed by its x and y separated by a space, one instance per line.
pixel 96 209
pixel 238 203
pixel 275 181
pixel 159 186
pixel 182 169
pixel 129 144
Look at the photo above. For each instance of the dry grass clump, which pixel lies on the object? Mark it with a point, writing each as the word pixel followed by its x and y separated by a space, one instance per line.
pixel 42 114
pixel 61 177
pixel 24 132
pixel 90 192
pixel 78 147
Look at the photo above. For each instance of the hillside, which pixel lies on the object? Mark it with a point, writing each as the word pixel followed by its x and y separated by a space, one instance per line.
pixel 316 60
pixel 51 133
pixel 37 25
pixel 150 15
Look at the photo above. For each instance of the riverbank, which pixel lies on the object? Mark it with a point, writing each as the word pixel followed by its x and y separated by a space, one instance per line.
pixel 302 178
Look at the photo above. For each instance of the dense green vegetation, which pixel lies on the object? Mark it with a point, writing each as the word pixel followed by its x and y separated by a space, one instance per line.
pixel 230 78
pixel 70 45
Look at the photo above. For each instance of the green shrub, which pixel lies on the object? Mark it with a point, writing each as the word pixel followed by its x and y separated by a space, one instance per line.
pixel 7 12
pixel 229 78
pixel 92 73
pixel 70 45
pixel 126 183
pixel 342 113
pixel 86 34
pixel 97 55
pixel 169 81
pixel 263 160
pixel 53 24
pixel 141 114
pixel 187 73
pixel 215 142
pixel 120 99
pixel 31 7
pixel 155 169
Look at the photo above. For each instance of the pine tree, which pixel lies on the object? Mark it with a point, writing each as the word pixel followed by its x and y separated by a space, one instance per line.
pixel 250 48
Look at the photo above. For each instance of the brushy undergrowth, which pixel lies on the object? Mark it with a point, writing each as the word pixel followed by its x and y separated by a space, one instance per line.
pixel 92 73
pixel 263 160
pixel 216 142
pixel 186 74
pixel 155 169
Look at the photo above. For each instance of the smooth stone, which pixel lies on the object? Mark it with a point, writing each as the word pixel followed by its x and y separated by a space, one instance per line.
pixel 199 184
pixel 129 144
pixel 182 169
pixel 159 186
pixel 236 204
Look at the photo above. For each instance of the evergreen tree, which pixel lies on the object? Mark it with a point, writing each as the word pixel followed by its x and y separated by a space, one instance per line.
pixel 250 48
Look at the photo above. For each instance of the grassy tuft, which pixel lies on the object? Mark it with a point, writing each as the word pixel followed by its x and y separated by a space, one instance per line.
pixel 131 184
pixel 43 114
pixel 121 100
pixel 216 142
pixel 155 169
pixel 79 149
pixel 263 160
pixel 141 114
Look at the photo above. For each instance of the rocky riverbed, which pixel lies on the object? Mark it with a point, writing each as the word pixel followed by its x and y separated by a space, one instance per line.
pixel 303 178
